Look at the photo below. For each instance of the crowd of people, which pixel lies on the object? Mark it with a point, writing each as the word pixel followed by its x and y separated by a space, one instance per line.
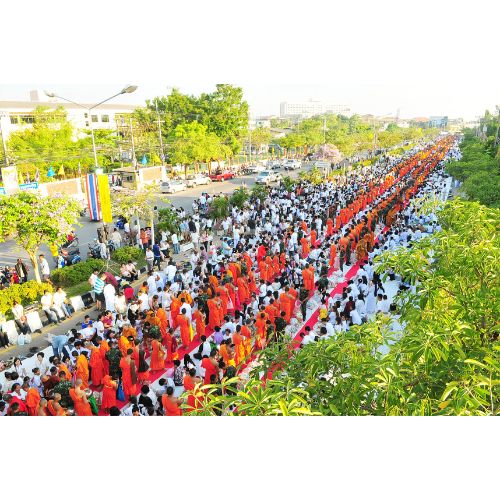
pixel 196 322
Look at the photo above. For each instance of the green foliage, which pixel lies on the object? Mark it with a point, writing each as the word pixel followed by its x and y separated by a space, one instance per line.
pixel 239 197
pixel 445 362
pixel 25 294
pixel 138 206
pixel 168 220
pixel 193 144
pixel 219 208
pixel 478 170
pixel 123 254
pixel 77 273
pixel 259 192
pixel 288 183
pixel 314 176
pixel 32 220
pixel 49 141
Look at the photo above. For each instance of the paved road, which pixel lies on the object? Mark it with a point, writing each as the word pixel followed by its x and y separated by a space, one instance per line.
pixel 10 251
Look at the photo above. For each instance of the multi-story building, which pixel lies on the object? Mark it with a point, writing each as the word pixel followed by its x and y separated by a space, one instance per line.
pixel 310 108
pixel 18 115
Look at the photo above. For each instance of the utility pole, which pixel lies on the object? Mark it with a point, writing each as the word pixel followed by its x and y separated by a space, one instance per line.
pixel 498 126
pixel 4 144
pixel 134 159
pixel 162 154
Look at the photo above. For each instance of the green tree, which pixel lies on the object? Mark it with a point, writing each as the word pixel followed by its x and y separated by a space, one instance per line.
pixel 445 362
pixel 239 197
pixel 219 208
pixel 259 192
pixel 225 113
pixel 33 221
pixel 168 220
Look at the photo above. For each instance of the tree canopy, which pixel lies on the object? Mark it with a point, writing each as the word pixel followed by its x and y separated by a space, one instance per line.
pixel 32 220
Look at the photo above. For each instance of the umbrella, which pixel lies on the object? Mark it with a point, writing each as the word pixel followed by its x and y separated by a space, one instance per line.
pixel 61 171
pixel 51 172
pixel 144 160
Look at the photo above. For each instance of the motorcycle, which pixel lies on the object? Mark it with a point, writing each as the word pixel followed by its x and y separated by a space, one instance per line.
pixel 70 254
pixel 120 223
pixel 94 250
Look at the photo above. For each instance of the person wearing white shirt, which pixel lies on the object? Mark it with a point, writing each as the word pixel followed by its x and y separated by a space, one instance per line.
pixel 44 267
pixel 59 299
pixel 355 317
pixel 116 238
pixel 152 284
pixel 175 243
pixel 42 364
pixel 48 308
pixel 170 271
pixel 144 301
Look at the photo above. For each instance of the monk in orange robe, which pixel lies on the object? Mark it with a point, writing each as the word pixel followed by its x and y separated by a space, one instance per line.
pixel 243 291
pixel 32 401
pixel 232 296
pixel 123 344
pixel 163 319
pixel 129 375
pixel 305 247
pixel 54 407
pixel 190 382
pixel 82 370
pixel 333 254
pixel 247 336
pixel 329 227
pixel 313 235
pixel 171 403
pixel 108 393
pixel 175 309
pixel 183 322
pixel 157 356
pixel 200 322
pixel 214 310
pixel 239 347
pixel 308 278
pixel 104 348
pixel 260 324
pixel 97 366
pixel 263 270
pixel 224 297
pixel 77 394
pixel 286 304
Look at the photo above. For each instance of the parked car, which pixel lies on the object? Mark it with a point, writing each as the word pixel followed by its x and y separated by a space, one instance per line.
pixel 255 169
pixel 275 165
pixel 267 177
pixel 220 176
pixel 173 186
pixel 292 164
pixel 197 180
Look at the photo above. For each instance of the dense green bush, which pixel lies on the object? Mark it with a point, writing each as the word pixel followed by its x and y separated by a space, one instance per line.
pixel 25 294
pixel 72 275
pixel 239 197
pixel 124 254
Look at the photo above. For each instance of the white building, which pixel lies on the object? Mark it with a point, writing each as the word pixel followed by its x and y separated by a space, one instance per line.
pixel 311 108
pixel 18 115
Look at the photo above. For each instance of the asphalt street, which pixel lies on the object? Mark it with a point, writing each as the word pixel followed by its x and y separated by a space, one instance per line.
pixel 87 231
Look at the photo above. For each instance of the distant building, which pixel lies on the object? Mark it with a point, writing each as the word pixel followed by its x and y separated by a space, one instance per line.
pixel 438 121
pixel 311 108
pixel 18 115
pixel 263 122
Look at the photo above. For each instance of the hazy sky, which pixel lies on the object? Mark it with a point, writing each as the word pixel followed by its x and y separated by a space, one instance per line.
pixel 426 58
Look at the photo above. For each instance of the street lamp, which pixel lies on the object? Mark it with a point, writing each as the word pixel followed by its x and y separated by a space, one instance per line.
pixel 126 90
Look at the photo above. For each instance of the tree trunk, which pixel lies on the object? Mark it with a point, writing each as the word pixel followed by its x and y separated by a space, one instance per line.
pixel 34 263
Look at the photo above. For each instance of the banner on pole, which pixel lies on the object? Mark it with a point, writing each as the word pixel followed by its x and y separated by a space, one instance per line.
pixel 92 197
pixel 10 179
pixel 105 198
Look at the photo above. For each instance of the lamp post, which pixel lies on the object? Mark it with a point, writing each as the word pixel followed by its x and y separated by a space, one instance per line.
pixel 126 90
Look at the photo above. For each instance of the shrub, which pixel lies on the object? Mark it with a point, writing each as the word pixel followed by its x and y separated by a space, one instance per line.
pixel 25 294
pixel 259 192
pixel 168 220
pixel 219 208
pixel 72 275
pixel 239 197
pixel 124 254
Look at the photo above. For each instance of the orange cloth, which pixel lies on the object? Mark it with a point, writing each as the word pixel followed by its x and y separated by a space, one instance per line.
pixel 82 370
pixel 82 408
pixel 32 401
pixel 200 322
pixel 97 366
pixel 108 393
pixel 170 407
pixel 157 356
pixel 183 322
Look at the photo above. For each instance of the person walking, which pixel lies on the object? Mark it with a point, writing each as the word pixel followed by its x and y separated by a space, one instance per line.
pixel 44 267
pixel 22 271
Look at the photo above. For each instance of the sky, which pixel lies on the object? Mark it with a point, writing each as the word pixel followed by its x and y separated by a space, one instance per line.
pixel 427 58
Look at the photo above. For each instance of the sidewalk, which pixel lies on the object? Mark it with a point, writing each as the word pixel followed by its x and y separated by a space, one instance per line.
pixel 39 340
